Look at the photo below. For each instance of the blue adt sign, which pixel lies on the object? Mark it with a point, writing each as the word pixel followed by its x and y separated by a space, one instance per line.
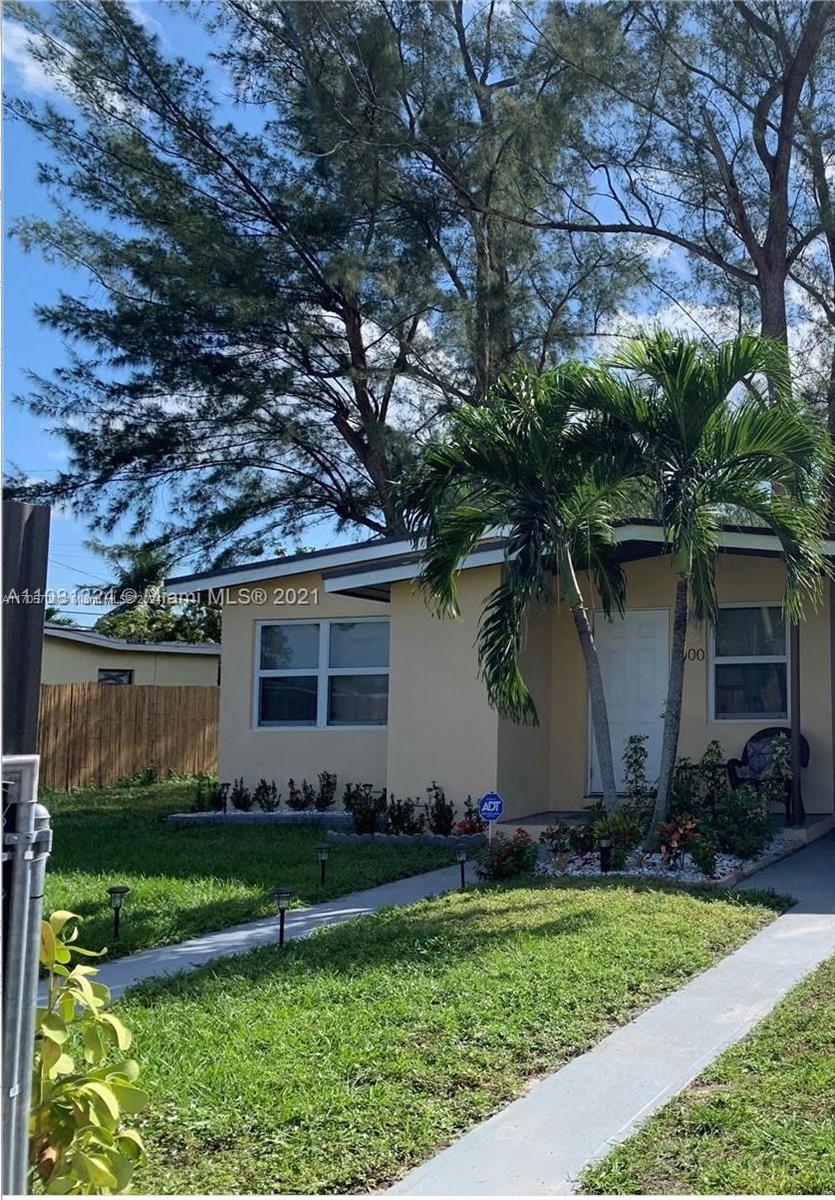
pixel 490 806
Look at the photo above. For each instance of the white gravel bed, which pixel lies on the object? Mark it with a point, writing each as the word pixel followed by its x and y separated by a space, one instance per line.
pixel 653 865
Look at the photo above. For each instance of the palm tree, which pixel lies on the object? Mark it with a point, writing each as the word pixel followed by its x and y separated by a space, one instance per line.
pixel 528 463
pixel 715 444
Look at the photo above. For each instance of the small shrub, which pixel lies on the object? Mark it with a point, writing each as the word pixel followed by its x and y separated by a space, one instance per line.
pixel 624 828
pixel 327 791
pixel 582 837
pixel 266 796
pixel 402 817
pixel 714 778
pixel 676 837
pixel 206 794
pixel 240 796
pixel 78 1142
pixel 440 813
pixel 505 858
pixel 472 822
pixel 308 795
pixel 296 796
pixel 366 805
pixel 557 838
pixel 778 774
pixel 639 794
pixel 685 793
pixel 740 823
pixel 703 852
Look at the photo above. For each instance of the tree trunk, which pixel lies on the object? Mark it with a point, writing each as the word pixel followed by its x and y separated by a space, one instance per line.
pixel 594 677
pixel 672 712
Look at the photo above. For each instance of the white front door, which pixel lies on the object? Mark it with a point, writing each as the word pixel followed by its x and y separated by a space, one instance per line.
pixel 634 661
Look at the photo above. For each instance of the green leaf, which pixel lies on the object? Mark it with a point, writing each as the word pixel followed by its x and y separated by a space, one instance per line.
pixel 131 1144
pixel 53 1027
pixel 49 944
pixel 121 1034
pixel 132 1099
pixel 94 1049
pixel 106 1095
pixel 59 918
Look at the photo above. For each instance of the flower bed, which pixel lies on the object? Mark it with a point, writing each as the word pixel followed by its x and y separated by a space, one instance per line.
pixel 657 867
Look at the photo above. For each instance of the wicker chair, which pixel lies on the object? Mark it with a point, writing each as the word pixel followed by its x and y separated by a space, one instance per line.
pixel 756 756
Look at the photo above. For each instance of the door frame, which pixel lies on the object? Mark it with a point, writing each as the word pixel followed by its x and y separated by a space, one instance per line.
pixel 598 612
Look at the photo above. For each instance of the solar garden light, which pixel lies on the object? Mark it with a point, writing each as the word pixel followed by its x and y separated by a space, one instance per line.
pixel 283 896
pixel 116 899
pixel 461 857
pixel 322 851
pixel 605 854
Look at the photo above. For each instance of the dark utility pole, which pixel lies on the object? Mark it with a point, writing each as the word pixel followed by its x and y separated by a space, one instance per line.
pixel 25 546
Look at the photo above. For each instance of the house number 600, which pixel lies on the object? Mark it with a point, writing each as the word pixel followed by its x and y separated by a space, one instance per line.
pixel 693 655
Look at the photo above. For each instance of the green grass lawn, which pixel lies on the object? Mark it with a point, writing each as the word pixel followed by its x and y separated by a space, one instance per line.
pixel 188 881
pixel 760 1121
pixel 334 1064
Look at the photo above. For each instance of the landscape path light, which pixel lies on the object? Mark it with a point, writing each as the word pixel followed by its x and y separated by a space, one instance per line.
pixel 116 898
pixel 461 856
pixel 283 896
pixel 605 855
pixel 322 851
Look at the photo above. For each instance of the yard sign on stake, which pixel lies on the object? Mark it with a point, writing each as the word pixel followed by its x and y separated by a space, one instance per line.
pixel 490 808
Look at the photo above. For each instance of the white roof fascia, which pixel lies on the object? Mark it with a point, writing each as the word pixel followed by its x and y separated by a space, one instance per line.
pixel 341 557
pixel 411 570
pixel 102 642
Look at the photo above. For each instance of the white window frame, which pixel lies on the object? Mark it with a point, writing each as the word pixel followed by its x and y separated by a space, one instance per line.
pixel 324 672
pixel 715 660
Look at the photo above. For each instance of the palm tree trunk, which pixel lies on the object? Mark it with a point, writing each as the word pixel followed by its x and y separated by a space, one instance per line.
pixel 672 711
pixel 597 695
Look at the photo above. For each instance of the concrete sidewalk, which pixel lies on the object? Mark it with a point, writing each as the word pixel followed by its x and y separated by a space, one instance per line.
pixel 539 1144
pixel 123 973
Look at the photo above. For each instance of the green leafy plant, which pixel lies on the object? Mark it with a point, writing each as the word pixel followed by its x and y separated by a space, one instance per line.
pixel 741 823
pixel 366 805
pixel 402 816
pixel 505 858
pixel 703 852
pixel 472 822
pixel 326 794
pixel 266 795
pixel 240 796
pixel 778 774
pixel 298 798
pixel 143 778
pixel 440 813
pixel 78 1142
pixel 309 794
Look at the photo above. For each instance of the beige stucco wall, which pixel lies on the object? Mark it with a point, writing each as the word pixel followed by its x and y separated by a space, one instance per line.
pixel 739 578
pixel 75 662
pixel 440 724
pixel 355 755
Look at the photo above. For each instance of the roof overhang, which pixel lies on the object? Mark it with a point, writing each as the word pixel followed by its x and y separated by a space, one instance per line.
pixel 367 570
pixel 89 637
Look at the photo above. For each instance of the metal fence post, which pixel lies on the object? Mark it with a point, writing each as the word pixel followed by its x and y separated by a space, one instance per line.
pixel 27 840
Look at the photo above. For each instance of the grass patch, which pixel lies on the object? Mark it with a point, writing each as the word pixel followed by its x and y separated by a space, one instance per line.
pixel 760 1121
pixel 335 1064
pixel 189 881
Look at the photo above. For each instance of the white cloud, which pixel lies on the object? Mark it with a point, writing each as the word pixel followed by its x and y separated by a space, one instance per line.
pixel 17 52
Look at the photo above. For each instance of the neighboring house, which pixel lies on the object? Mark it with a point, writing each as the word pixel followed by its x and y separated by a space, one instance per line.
pixel 332 661
pixel 84 656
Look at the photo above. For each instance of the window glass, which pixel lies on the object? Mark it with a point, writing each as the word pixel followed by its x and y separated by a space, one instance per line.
pixel 288 700
pixel 114 676
pixel 751 690
pixel 293 646
pixel 751 632
pixel 358 699
pixel 359 644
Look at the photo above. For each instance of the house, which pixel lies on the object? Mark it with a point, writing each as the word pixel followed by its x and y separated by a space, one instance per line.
pixel 332 661
pixel 84 656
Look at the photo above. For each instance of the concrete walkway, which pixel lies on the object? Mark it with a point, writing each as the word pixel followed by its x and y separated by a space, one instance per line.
pixel 539 1144
pixel 123 973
